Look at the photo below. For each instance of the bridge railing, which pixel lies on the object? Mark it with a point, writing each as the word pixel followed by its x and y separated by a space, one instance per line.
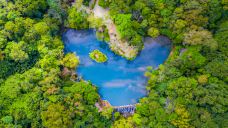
pixel 130 109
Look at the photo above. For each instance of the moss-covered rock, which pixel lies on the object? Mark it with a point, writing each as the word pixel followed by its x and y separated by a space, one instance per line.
pixel 98 56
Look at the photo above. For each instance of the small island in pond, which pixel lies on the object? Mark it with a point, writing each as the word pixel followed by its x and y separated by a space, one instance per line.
pixel 98 56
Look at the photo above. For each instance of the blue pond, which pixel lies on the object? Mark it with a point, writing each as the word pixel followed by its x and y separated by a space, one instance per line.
pixel 119 81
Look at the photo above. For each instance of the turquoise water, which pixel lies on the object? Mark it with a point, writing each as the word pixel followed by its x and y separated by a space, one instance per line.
pixel 119 81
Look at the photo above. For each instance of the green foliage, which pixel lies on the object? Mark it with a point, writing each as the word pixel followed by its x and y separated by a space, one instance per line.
pixel 76 19
pixel 153 32
pixel 124 123
pixel 107 112
pixel 104 3
pixel 16 52
pixel 188 90
pixel 56 116
pixel 221 37
pixel 124 25
pixel 103 35
pixel 87 92
pixel 125 28
pixel 86 2
pixel 32 94
pixel 41 28
pixel 203 79
pixel 98 56
pixel 182 88
pixel 200 38
pixel 70 61
pixel 7 119
pixel 191 58
pixel 95 22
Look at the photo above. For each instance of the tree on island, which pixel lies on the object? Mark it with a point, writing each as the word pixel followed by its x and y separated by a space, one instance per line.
pixel 98 56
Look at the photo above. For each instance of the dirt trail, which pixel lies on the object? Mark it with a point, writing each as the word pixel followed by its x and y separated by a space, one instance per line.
pixel 116 44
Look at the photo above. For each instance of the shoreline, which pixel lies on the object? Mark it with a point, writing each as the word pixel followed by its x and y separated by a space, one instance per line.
pixel 116 44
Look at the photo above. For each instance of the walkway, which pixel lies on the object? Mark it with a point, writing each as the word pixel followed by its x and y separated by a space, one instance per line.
pixel 117 45
pixel 126 109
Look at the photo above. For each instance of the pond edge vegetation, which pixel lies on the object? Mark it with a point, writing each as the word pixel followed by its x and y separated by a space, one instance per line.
pixel 189 90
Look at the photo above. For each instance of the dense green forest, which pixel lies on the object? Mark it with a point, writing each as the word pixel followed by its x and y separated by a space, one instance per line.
pixel 189 90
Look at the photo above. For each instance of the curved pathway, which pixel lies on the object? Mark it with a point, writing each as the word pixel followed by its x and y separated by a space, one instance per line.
pixel 117 45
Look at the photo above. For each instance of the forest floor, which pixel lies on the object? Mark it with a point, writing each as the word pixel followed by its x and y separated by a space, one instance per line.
pixel 116 44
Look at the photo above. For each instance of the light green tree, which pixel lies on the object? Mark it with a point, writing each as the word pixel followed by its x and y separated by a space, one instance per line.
pixel 70 61
pixel 153 32
pixel 16 51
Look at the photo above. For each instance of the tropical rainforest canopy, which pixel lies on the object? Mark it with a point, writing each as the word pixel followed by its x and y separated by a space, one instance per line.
pixel 189 90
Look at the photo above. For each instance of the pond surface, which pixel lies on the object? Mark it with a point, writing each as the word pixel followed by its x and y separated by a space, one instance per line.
pixel 119 81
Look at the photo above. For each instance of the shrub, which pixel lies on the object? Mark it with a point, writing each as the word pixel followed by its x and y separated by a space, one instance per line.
pixel 98 56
